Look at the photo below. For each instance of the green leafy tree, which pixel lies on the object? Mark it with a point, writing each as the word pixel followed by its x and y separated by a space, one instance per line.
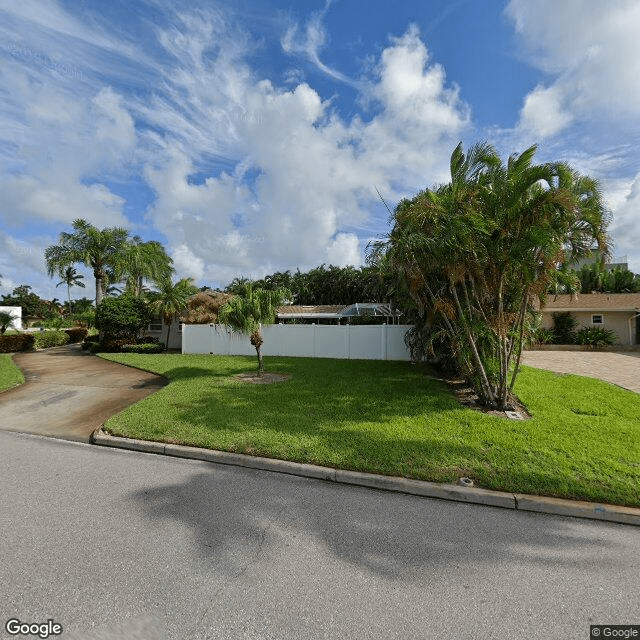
pixel 122 317
pixel 170 300
pixel 248 311
pixel 97 249
pixel 476 254
pixel 32 305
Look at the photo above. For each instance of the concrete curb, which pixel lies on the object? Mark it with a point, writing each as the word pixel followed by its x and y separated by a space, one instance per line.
pixel 472 495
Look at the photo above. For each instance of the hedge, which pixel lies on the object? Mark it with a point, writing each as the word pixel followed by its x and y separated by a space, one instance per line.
pixel 50 338
pixel 16 342
pixel 76 334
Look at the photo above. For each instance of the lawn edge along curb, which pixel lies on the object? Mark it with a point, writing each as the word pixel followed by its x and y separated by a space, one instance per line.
pixel 473 495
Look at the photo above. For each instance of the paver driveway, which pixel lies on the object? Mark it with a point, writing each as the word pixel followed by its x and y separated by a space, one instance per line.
pixel 622 369
pixel 68 393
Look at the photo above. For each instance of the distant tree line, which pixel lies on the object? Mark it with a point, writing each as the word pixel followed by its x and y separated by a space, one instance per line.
pixel 325 285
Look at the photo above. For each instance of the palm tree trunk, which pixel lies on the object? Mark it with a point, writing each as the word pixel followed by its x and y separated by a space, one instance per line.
pixel 260 362
pixel 99 293
pixel 168 332
pixel 486 387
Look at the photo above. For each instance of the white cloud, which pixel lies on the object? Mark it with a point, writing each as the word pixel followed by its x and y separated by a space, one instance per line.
pixel 249 177
pixel 296 176
pixel 543 113
pixel 625 203
pixel 591 51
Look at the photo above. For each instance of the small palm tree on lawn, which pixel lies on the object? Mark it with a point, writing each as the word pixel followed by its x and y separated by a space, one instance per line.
pixel 247 312
pixel 171 299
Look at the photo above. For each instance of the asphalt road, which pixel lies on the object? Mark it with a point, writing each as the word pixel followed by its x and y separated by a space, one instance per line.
pixel 124 545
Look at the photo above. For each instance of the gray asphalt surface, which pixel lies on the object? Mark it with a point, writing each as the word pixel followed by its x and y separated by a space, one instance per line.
pixel 68 393
pixel 126 545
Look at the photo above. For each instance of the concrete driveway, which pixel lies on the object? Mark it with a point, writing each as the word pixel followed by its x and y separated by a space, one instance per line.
pixel 69 393
pixel 619 368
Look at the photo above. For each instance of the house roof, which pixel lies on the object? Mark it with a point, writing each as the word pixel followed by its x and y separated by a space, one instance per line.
pixel 594 302
pixel 304 311
pixel 336 311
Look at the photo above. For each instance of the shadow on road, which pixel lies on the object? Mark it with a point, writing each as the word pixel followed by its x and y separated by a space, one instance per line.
pixel 393 535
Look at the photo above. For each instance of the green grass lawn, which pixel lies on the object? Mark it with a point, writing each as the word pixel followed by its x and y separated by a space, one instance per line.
pixel 10 375
pixel 583 441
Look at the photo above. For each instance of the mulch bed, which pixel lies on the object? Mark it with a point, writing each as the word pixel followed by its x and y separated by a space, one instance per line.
pixel 468 398
pixel 265 378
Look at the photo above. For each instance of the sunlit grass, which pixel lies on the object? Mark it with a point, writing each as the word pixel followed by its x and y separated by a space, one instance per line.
pixel 583 441
pixel 10 375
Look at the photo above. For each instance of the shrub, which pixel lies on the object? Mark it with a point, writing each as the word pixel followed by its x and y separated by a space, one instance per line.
pixel 563 328
pixel 85 319
pixel 544 336
pixel 122 317
pixel 147 347
pixel 596 337
pixel 51 338
pixel 77 334
pixel 16 342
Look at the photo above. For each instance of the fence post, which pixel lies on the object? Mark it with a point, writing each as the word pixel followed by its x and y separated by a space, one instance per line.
pixel 383 353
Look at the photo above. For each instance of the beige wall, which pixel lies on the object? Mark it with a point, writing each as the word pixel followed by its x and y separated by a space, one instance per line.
pixel 617 321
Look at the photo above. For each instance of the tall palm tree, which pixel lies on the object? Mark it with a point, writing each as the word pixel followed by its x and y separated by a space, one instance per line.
pixel 97 249
pixel 479 250
pixel 171 299
pixel 247 312
pixel 71 278
pixel 143 261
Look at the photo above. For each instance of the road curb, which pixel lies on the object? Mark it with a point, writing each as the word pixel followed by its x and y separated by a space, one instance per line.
pixel 472 495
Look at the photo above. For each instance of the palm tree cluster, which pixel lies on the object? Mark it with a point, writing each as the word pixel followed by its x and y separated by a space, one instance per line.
pixel 477 254
pixel 115 257
pixel 111 254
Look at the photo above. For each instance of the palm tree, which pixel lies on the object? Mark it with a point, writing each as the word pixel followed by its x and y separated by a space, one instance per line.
pixel 71 278
pixel 143 261
pixel 475 254
pixel 6 320
pixel 247 312
pixel 171 299
pixel 97 249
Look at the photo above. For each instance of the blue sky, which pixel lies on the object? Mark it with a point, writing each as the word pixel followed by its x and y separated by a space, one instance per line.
pixel 251 137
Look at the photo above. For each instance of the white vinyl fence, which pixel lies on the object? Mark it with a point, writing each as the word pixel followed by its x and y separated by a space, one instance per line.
pixel 366 342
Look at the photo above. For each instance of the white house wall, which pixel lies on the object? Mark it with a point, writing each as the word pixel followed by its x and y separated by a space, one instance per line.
pixel 366 342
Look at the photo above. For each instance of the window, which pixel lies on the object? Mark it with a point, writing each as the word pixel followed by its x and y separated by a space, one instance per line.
pixel 155 324
pixel 179 325
pixel 597 319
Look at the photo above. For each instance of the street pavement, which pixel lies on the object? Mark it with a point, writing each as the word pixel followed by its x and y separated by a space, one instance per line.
pixel 121 544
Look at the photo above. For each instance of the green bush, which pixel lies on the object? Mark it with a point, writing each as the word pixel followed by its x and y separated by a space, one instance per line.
pixel 122 318
pixel 52 338
pixel 596 337
pixel 85 319
pixel 147 347
pixel 14 342
pixel 544 336
pixel 77 334
pixel 563 328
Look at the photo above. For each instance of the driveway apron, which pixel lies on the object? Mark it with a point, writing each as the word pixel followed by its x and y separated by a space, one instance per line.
pixel 68 393
pixel 619 368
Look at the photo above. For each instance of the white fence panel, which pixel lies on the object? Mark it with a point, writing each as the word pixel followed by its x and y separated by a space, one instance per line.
pixel 363 342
